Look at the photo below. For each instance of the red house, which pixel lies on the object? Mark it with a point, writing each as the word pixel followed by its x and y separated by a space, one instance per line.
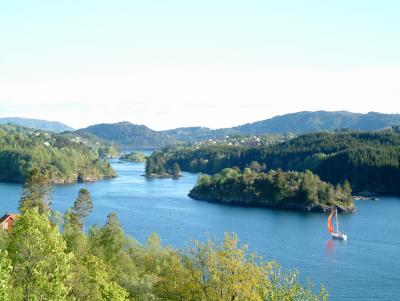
pixel 7 221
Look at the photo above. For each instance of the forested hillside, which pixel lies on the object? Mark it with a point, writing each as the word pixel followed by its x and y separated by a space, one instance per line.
pixel 295 123
pixel 306 122
pixel 131 135
pixel 127 134
pixel 368 160
pixel 63 157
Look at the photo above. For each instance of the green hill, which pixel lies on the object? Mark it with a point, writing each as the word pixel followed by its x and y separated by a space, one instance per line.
pixel 370 160
pixel 127 134
pixel 65 157
pixel 38 124
pixel 130 135
pixel 305 122
pixel 296 123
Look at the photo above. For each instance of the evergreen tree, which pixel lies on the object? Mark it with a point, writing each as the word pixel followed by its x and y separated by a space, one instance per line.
pixel 108 242
pixel 36 192
pixel 346 187
pixel 82 207
pixel 73 235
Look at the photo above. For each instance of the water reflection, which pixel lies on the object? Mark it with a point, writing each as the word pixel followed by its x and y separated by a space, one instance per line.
pixel 329 247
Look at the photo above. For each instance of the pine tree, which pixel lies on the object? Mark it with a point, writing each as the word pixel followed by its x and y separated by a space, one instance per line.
pixel 37 192
pixel 112 238
pixel 83 206
pixel 347 187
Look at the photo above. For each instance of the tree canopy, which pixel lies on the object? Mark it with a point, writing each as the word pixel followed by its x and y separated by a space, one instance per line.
pixel 370 161
pixel 62 157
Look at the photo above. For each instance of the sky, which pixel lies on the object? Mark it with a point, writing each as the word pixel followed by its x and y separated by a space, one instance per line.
pixel 214 63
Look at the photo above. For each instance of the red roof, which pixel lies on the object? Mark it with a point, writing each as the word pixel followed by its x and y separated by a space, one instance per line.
pixel 7 216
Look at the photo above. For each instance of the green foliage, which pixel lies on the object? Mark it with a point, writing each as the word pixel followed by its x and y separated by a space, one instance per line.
pixel 91 281
pixel 83 205
pixel 5 270
pixel 285 286
pixel 128 134
pixel 106 265
pixel 36 192
pixel 288 190
pixel 298 123
pixel 176 170
pixel 51 126
pixel 135 157
pixel 227 272
pixel 370 161
pixel 155 164
pixel 61 156
pixel 40 263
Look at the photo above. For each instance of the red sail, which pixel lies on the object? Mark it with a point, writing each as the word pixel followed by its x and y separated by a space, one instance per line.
pixel 330 227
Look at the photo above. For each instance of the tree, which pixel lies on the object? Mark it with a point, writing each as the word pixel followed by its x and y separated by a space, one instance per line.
pixel 5 270
pixel 255 166
pixel 225 272
pixel 91 281
pixel 108 241
pixel 36 192
pixel 346 187
pixel 176 170
pixel 39 259
pixel 285 286
pixel 82 207
pixel 222 272
pixel 73 235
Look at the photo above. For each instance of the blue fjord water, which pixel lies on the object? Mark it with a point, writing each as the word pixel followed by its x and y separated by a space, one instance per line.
pixel 366 267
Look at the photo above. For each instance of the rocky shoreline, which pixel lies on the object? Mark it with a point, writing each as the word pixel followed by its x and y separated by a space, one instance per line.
pixel 161 176
pixel 285 206
pixel 85 179
pixel 365 196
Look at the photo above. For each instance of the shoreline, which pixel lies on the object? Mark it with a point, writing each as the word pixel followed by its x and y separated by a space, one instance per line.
pixel 288 206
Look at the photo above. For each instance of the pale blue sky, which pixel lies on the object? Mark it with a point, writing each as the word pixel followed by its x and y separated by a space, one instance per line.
pixel 213 63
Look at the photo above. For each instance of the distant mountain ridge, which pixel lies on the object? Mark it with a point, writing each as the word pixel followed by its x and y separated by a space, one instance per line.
pixel 39 124
pixel 127 134
pixel 296 123
pixel 308 121
pixel 132 135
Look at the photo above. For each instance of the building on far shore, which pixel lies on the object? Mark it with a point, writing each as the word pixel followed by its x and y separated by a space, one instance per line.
pixel 7 221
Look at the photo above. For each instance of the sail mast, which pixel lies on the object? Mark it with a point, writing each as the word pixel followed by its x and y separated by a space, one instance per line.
pixel 336 221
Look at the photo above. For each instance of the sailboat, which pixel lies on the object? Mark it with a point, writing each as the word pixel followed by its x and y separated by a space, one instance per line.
pixel 336 234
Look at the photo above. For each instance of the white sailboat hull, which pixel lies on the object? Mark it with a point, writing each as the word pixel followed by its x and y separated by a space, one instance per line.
pixel 339 236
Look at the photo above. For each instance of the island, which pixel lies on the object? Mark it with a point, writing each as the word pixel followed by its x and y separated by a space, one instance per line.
pixel 156 168
pixel 302 191
pixel 135 157
pixel 369 160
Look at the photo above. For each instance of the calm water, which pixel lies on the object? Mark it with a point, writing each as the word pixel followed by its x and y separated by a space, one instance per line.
pixel 364 268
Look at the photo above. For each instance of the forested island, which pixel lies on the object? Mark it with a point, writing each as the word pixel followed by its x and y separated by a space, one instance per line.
pixel 135 157
pixel 48 256
pixel 64 158
pixel 369 160
pixel 275 189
